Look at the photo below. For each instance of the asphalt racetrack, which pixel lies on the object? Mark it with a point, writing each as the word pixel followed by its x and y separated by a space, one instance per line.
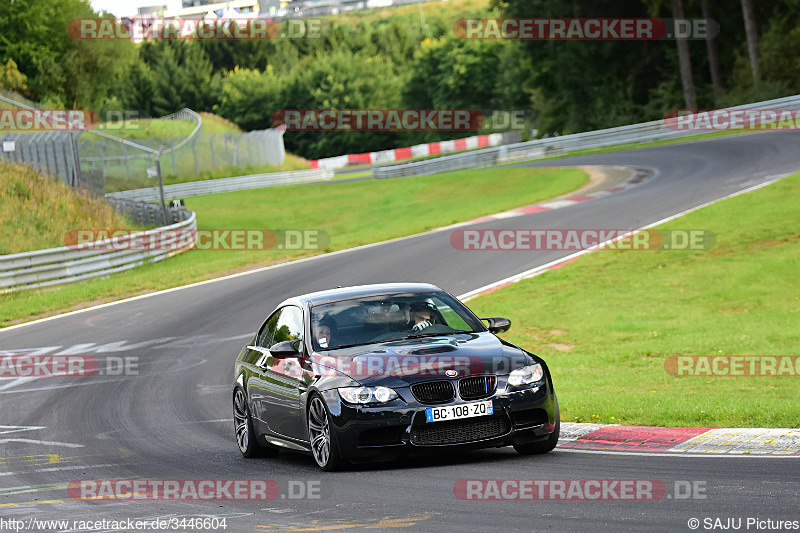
pixel 173 419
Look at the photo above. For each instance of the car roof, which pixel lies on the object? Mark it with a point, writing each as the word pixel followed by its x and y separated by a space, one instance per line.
pixel 358 291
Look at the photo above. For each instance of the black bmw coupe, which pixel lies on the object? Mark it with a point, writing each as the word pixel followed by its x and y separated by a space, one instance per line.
pixel 379 371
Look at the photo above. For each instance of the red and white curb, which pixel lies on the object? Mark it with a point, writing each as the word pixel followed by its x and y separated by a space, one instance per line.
pixel 722 441
pixel 411 152
pixel 635 179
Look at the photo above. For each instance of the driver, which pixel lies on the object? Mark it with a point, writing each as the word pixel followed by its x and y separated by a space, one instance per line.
pixel 325 330
pixel 422 315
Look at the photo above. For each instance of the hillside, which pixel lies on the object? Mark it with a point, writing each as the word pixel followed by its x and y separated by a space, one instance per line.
pixel 36 211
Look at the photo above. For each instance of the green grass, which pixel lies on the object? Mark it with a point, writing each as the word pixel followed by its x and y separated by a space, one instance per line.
pixel 351 214
pixel 36 210
pixel 291 162
pixel 167 128
pixel 453 9
pixel 351 175
pixel 616 316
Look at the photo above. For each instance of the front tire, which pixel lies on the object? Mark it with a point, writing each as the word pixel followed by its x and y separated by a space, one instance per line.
pixel 322 436
pixel 542 446
pixel 243 426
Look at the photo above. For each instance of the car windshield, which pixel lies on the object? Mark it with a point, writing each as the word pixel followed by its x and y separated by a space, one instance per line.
pixel 386 318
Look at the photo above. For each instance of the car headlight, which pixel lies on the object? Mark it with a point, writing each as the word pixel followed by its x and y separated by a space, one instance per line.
pixel 526 375
pixel 364 395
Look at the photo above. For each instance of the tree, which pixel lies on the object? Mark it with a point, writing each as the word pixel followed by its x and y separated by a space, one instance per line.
pixel 11 78
pixel 752 37
pixel 714 61
pixel 583 85
pixel 76 72
pixel 182 76
pixel 250 97
pixel 340 80
pixel 684 60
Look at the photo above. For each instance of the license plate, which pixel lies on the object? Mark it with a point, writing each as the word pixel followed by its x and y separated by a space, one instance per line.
pixel 459 412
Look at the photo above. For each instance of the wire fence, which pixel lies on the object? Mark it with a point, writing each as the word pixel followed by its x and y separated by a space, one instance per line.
pixel 90 158
pixel 121 167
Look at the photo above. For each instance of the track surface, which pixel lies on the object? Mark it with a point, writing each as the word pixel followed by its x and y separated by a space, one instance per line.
pixel 173 419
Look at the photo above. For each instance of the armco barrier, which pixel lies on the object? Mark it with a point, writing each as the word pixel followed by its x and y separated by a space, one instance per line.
pixel 239 183
pixel 55 266
pixel 636 133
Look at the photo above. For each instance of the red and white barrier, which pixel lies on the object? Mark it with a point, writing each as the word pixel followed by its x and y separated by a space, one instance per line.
pixel 411 152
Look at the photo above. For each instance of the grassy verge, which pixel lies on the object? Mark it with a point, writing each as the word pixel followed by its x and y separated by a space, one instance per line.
pixel 351 214
pixel 167 128
pixel 606 323
pixel 36 209
pixel 291 162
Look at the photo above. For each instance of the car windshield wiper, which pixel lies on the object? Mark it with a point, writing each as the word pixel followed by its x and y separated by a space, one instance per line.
pixel 423 335
pixel 348 346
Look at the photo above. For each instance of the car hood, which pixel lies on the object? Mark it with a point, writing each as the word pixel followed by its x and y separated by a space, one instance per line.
pixel 401 363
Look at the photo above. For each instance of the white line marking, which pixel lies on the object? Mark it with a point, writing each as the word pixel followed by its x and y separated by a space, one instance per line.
pixel 544 268
pixel 14 429
pixel 557 204
pixel 676 454
pixel 43 442
pixel 74 467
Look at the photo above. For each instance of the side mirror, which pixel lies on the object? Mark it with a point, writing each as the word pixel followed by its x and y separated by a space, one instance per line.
pixel 497 324
pixel 285 349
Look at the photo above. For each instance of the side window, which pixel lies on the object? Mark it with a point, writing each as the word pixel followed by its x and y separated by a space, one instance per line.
pixel 289 325
pixel 268 330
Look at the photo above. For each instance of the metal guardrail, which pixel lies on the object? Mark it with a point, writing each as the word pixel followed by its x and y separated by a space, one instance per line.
pixel 239 183
pixel 637 133
pixel 148 214
pixel 55 266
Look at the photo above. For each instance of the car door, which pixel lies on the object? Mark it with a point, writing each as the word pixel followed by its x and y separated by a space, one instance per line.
pixel 257 355
pixel 276 392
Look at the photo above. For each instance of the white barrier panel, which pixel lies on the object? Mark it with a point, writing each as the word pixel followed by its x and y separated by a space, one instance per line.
pixel 333 163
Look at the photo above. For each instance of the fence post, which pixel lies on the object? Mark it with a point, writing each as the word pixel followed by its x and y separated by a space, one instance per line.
pixel 74 147
pixel 194 152
pixel 225 141
pixel 211 145
pixel 174 163
pixel 102 162
pixel 161 185
pixel 127 167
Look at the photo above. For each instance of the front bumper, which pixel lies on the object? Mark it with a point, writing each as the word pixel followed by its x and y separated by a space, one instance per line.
pixel 400 427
